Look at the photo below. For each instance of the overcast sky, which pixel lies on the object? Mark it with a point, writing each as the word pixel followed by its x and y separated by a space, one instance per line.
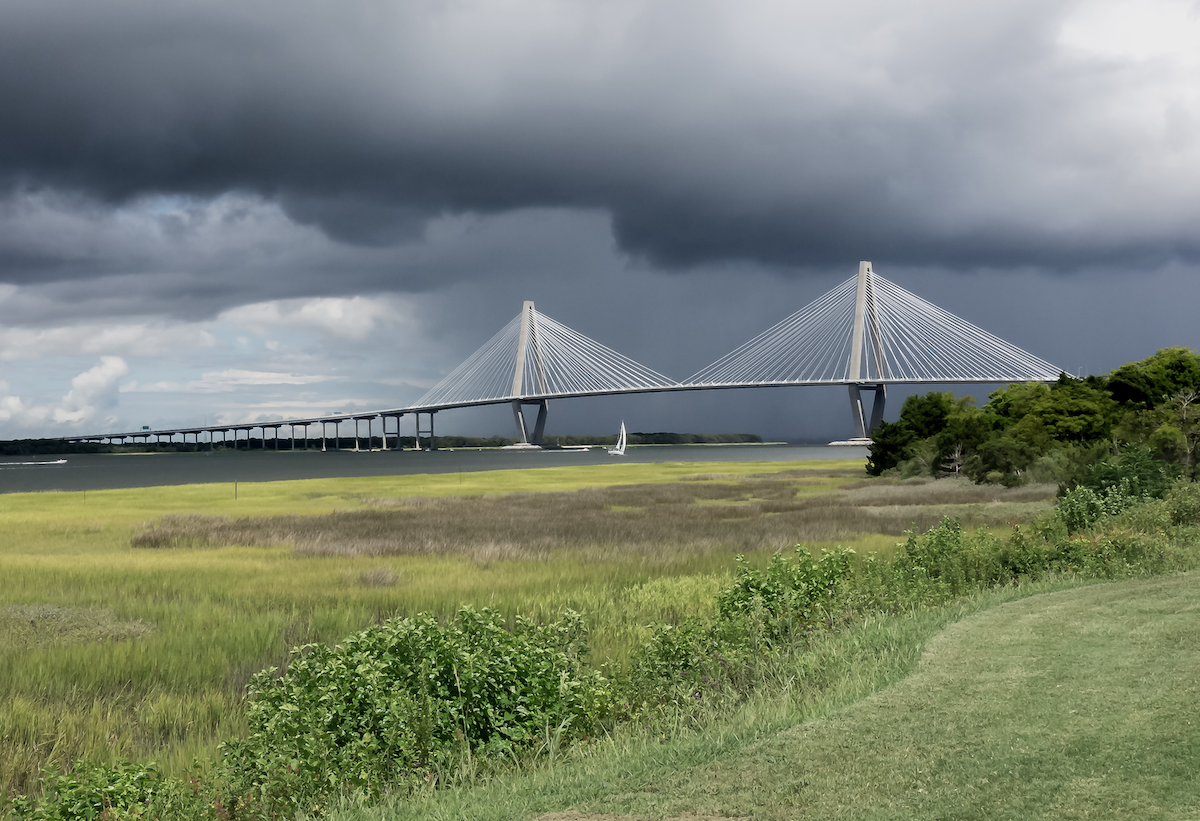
pixel 230 211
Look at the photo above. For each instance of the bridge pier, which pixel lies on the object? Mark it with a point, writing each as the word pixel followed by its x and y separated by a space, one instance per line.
pixel 857 410
pixel 432 438
pixel 539 426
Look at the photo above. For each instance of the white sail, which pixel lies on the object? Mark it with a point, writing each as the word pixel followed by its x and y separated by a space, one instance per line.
pixel 619 450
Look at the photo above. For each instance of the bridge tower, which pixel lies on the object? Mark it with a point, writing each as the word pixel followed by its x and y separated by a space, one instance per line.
pixel 868 367
pixel 532 360
pixel 529 347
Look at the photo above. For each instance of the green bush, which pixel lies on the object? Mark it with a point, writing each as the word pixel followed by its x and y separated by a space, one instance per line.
pixel 391 705
pixel 1182 503
pixel 1083 507
pixel 682 670
pixel 788 594
pixel 114 792
pixel 1135 472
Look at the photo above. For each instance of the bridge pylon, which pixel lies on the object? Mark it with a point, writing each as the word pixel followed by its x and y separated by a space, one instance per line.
pixel 867 362
pixel 532 360
pixel 868 333
pixel 529 353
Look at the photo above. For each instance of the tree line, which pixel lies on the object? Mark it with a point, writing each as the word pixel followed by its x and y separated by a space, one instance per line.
pixel 1059 432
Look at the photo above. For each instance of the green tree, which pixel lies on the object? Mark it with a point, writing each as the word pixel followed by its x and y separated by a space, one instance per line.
pixel 1009 452
pixel 1135 472
pixel 1074 411
pixel 891 444
pixel 1178 436
pixel 925 414
pixel 966 428
pixel 1015 402
pixel 921 416
pixel 1149 382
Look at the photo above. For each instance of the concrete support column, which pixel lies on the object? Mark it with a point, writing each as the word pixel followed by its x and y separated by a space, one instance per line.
pixel 877 408
pixel 430 433
pixel 519 418
pixel 862 428
pixel 539 427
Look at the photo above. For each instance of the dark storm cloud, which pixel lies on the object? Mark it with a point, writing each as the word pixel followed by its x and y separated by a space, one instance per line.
pixel 927 133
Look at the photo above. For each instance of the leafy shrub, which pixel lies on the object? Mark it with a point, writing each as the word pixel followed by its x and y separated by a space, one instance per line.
pixel 1083 507
pixel 1135 472
pixel 1183 502
pixel 391 704
pixel 683 669
pixel 790 594
pixel 936 550
pixel 893 586
pixel 945 562
pixel 113 792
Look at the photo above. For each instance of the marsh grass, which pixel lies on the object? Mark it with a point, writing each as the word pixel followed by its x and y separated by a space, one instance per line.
pixel 143 652
pixel 43 625
pixel 660 523
pixel 379 576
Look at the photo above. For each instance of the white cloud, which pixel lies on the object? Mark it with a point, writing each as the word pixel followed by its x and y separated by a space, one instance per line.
pixel 222 382
pixel 93 390
pixel 13 409
pixel 347 318
pixel 128 339
pixel 1135 31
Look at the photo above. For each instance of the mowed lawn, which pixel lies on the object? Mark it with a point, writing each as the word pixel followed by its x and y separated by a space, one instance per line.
pixel 1079 704
pixel 1082 703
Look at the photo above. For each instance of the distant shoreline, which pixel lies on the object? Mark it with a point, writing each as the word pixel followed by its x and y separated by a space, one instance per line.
pixel 108 471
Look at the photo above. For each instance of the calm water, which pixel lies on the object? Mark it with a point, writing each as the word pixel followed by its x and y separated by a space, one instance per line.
pixel 106 471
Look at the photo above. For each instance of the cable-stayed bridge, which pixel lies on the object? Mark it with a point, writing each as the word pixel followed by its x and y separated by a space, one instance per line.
pixel 866 334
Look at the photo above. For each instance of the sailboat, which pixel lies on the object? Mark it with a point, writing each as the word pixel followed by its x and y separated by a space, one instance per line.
pixel 619 450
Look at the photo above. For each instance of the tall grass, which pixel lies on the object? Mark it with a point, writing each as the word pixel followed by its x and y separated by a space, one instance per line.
pixel 142 653
pixel 659 522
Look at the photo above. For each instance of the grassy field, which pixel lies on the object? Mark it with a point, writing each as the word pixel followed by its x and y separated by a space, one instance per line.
pixel 1076 703
pixel 131 620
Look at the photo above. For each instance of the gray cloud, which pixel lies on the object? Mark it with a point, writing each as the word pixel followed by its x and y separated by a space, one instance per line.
pixel 791 134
